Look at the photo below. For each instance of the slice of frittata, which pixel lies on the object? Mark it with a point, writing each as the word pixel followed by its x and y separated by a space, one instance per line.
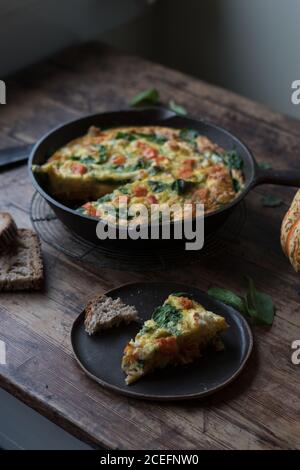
pixel 176 334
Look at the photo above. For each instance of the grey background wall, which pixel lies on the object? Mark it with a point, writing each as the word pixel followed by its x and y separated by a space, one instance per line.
pixel 249 46
pixel 33 29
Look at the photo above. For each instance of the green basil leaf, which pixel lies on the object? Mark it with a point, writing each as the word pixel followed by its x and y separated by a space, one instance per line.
pixel 188 135
pixel 155 138
pixel 167 316
pixel 126 136
pixel 157 186
pixel 150 96
pixel 123 190
pixel 265 165
pixel 271 201
pixel 233 160
pixel 236 185
pixel 259 306
pixel 88 160
pixel 177 108
pixel 106 198
pixel 227 297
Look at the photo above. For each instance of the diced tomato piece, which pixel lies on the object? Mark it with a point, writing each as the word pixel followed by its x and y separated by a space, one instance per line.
pixel 150 153
pixel 141 145
pixel 147 151
pixel 118 160
pixel 189 163
pixel 168 345
pixel 185 173
pixel 78 168
pixel 152 199
pixel 215 169
pixel 91 210
pixel 159 159
pixel 140 191
pixel 186 303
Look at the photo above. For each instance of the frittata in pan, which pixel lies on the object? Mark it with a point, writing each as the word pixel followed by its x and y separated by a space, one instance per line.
pixel 146 165
pixel 177 333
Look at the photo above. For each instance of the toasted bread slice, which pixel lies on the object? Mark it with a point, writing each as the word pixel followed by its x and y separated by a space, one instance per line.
pixel 21 267
pixel 104 312
pixel 8 231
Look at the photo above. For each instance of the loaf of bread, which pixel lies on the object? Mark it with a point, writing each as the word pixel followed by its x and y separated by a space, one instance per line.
pixel 21 266
pixel 8 231
pixel 103 312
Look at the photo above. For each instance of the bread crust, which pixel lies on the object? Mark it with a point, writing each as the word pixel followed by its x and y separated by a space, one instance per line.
pixel 21 267
pixel 8 231
pixel 94 321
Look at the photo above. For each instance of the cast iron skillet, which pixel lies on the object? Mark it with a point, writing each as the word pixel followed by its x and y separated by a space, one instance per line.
pixel 85 226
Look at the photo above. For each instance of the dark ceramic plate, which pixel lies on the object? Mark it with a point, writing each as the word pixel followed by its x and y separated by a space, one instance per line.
pixel 100 355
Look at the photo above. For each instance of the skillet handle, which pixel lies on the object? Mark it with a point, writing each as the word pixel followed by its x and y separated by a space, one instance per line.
pixel 280 177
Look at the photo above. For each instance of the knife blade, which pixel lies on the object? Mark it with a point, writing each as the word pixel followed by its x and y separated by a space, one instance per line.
pixel 12 155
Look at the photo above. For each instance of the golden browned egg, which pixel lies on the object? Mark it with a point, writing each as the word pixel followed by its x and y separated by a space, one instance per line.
pixel 177 333
pixel 148 165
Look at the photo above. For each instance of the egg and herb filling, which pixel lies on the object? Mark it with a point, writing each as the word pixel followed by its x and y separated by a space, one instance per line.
pixel 151 164
pixel 177 333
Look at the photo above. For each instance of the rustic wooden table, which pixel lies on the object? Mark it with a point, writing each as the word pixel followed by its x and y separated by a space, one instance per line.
pixel 261 410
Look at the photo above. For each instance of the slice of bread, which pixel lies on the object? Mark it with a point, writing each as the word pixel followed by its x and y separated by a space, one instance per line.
pixel 21 267
pixel 8 231
pixel 104 312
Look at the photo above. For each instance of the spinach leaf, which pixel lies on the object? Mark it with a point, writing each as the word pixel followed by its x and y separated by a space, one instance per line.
pixel 88 160
pixel 189 135
pixel 123 190
pixel 259 305
pixel 150 96
pixel 141 164
pixel 155 170
pixel 167 317
pixel 155 138
pixel 256 306
pixel 233 160
pixel 271 201
pixel 81 210
pixel 228 298
pixel 126 136
pixel 105 198
pixel 265 165
pixel 103 155
pixel 181 186
pixel 236 185
pixel 130 137
pixel 177 108
pixel 157 186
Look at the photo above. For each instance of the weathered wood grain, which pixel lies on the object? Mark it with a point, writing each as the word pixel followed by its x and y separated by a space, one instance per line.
pixel 261 409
